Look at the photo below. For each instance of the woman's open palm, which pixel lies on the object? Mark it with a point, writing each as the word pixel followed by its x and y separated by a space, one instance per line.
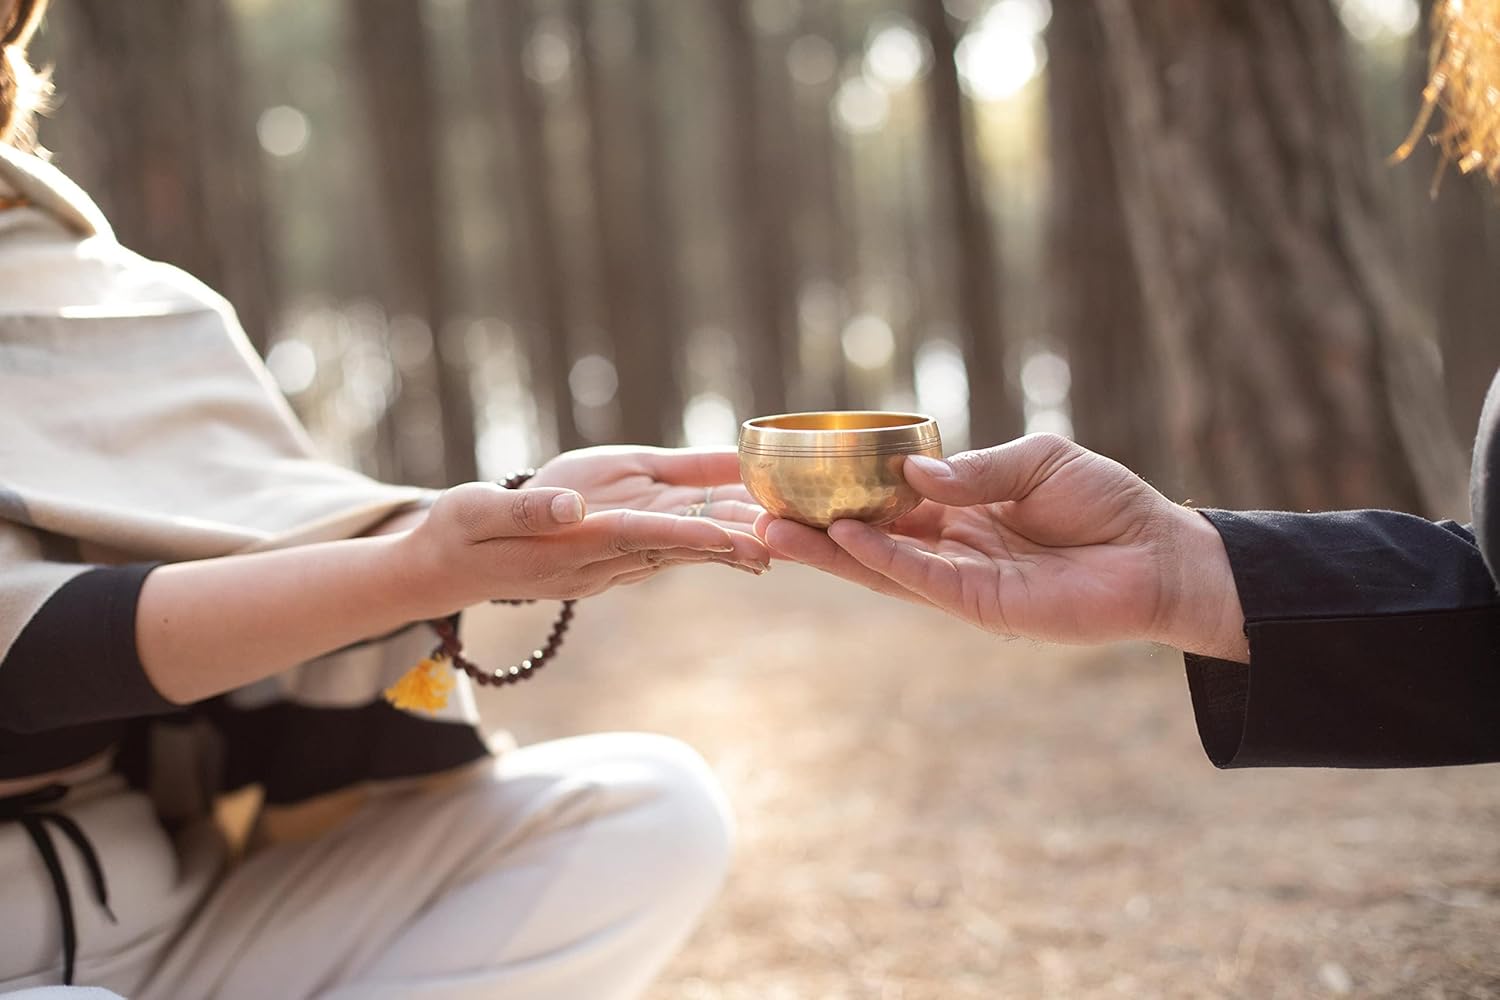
pixel 701 482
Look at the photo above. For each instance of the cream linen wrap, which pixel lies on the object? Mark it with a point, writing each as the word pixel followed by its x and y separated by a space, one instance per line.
pixel 137 424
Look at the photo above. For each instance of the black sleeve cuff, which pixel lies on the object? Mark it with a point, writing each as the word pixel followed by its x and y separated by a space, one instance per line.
pixel 1374 642
pixel 1413 690
pixel 76 661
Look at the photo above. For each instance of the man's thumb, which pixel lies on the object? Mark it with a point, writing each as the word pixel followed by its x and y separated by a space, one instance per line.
pixel 1004 472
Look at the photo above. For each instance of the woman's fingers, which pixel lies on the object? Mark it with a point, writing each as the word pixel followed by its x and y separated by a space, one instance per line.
pixel 900 562
pixel 733 491
pixel 621 531
pixel 749 549
pixel 799 543
pixel 734 514
pixel 641 564
pixel 694 466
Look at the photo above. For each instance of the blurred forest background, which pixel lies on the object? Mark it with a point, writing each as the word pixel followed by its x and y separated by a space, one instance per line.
pixel 470 233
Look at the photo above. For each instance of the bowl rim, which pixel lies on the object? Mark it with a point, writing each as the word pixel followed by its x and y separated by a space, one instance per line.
pixel 913 432
pixel 910 422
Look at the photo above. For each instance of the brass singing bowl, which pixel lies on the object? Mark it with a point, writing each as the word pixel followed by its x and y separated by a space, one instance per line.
pixel 818 468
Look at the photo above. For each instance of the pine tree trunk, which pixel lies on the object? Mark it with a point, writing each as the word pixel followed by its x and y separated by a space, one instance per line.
pixel 501 32
pixel 166 144
pixel 959 208
pixel 391 54
pixel 825 205
pixel 1294 371
pixel 1094 298
pixel 1462 236
pixel 761 188
pixel 628 247
pixel 659 270
pixel 1467 293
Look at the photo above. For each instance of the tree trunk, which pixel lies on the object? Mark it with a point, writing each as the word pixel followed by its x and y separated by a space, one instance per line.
pixel 632 253
pixel 538 265
pixel 1293 366
pixel 825 209
pixel 167 143
pixel 659 270
pixel 1094 298
pixel 1467 294
pixel 761 187
pixel 396 78
pixel 1463 258
pixel 959 207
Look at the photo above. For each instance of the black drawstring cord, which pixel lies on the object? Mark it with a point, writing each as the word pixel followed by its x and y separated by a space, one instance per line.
pixel 29 810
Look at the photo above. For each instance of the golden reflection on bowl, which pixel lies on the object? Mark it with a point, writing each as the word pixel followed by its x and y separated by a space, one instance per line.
pixel 818 468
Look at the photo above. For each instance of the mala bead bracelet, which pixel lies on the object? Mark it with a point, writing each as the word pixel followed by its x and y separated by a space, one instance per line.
pixel 426 686
pixel 450 647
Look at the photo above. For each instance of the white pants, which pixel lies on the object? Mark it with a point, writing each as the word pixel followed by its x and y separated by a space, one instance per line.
pixel 570 870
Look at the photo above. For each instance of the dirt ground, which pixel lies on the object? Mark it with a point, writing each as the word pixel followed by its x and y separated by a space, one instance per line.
pixel 929 812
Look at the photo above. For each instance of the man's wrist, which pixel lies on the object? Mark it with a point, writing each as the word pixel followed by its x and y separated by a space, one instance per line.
pixel 1204 615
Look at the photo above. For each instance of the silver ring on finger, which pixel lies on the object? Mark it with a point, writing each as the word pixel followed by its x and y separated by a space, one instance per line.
pixel 698 509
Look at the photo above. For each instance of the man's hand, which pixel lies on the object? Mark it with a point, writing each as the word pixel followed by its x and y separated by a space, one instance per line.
pixel 1044 539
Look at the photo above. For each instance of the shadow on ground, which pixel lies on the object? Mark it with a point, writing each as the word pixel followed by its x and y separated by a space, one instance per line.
pixel 929 812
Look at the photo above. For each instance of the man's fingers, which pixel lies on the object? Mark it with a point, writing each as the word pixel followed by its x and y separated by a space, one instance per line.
pixel 799 543
pixel 485 511
pixel 913 569
pixel 1005 472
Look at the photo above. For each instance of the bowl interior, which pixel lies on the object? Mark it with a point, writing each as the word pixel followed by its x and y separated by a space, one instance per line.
pixel 841 420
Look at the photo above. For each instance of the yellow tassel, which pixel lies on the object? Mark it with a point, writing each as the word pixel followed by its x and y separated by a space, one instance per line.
pixel 425 687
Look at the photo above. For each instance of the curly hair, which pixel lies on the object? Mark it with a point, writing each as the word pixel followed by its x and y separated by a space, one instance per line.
pixel 1462 85
pixel 23 91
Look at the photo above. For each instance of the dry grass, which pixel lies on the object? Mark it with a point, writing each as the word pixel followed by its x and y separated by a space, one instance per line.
pixel 929 812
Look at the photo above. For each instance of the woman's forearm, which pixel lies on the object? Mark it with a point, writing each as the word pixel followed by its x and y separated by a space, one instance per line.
pixel 208 626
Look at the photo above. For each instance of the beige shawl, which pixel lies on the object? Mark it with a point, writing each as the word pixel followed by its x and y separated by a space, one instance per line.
pixel 136 423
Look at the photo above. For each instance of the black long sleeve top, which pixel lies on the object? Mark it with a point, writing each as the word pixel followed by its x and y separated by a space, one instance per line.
pixel 73 686
pixel 1374 636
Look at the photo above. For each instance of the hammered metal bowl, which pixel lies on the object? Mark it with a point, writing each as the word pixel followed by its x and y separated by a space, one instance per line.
pixel 818 468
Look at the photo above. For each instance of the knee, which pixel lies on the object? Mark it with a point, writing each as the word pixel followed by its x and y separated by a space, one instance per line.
pixel 682 811
pixel 641 813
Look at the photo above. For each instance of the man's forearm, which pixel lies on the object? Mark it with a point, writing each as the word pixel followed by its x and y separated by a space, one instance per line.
pixel 208 626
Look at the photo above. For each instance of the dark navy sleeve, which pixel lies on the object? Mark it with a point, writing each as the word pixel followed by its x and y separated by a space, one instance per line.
pixel 1374 642
pixel 76 661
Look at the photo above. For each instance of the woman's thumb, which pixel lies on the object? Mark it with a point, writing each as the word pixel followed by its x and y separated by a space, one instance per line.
pixel 485 511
